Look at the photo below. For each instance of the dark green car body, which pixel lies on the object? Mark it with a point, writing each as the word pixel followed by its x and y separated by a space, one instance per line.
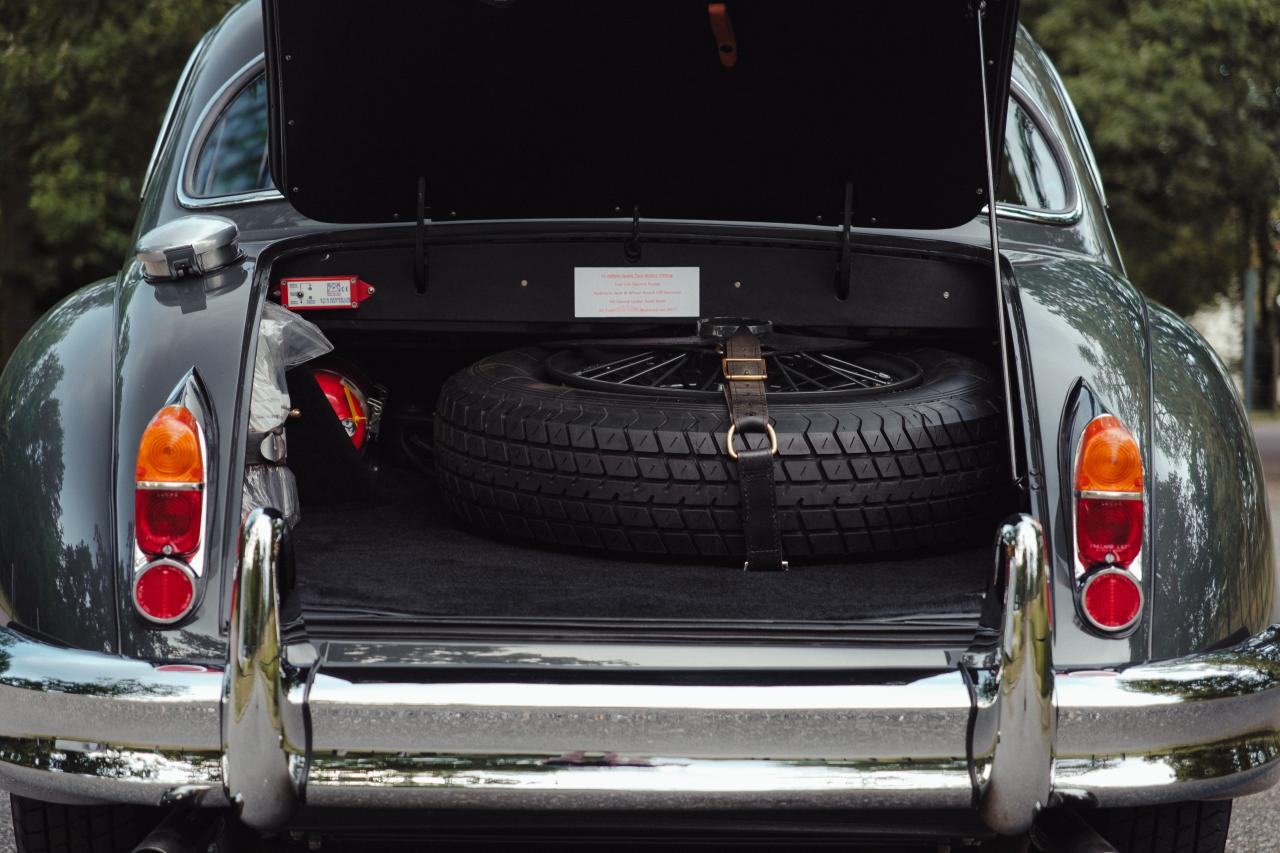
pixel 77 394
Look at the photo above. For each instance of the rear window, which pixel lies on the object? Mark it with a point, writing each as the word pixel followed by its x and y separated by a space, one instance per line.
pixel 233 156
pixel 1030 176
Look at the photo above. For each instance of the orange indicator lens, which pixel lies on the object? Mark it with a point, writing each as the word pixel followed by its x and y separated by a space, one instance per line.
pixel 170 449
pixel 1109 458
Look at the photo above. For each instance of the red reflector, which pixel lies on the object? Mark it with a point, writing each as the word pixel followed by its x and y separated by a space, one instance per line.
pixel 1112 599
pixel 167 518
pixel 1107 527
pixel 164 592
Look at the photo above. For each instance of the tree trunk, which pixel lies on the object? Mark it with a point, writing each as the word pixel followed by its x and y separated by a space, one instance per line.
pixel 18 272
pixel 17 313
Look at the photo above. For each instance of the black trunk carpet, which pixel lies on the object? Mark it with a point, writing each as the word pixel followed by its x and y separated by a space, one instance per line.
pixel 411 556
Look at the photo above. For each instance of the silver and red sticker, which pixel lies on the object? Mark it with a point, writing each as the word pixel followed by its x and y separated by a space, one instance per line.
pixel 324 292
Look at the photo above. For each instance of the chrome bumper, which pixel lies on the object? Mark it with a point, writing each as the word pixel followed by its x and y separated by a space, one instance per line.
pixel 281 728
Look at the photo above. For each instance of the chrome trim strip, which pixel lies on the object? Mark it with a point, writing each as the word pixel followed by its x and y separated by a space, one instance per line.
pixel 368 656
pixel 264 757
pixel 1015 770
pixel 1096 494
pixel 1004 210
pixel 607 781
pixel 924 719
pixel 157 486
pixel 228 200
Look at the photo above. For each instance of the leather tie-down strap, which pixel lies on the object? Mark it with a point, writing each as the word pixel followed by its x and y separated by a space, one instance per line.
pixel 744 375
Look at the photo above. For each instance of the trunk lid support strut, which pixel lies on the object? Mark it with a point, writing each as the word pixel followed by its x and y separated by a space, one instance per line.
pixel 1002 323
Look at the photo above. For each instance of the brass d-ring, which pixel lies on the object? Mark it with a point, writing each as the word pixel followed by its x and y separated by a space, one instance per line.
pixel 733 428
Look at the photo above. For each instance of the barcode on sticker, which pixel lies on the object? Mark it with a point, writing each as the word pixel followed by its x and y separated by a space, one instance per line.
pixel 320 293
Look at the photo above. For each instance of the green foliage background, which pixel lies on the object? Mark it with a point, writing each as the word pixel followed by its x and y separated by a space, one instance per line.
pixel 83 87
pixel 1181 98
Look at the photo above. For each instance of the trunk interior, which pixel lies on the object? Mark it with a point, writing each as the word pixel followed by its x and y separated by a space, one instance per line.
pixel 408 554
pixel 379 549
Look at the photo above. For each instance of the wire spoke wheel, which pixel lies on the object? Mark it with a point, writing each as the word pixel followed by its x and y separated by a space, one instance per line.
pixel 699 371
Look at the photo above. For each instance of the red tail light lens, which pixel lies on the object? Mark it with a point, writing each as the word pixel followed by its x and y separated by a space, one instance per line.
pixel 1112 599
pixel 1108 530
pixel 167 522
pixel 164 591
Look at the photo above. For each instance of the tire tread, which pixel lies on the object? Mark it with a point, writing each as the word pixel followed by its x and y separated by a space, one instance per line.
pixel 1190 827
pixel 586 470
pixel 41 827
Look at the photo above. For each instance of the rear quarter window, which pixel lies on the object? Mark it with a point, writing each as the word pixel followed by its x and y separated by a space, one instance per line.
pixel 1031 176
pixel 232 157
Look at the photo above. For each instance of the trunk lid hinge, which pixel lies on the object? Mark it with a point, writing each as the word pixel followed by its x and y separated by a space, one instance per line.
pixel 631 248
pixel 844 271
pixel 420 260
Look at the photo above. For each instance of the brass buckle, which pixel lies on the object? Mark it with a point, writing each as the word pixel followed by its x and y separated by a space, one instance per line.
pixel 734 376
pixel 733 428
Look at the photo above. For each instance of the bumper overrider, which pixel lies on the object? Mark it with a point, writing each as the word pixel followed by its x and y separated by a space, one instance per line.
pixel 1001 733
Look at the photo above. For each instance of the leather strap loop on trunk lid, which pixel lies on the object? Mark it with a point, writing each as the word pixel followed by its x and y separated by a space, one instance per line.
pixel 744 391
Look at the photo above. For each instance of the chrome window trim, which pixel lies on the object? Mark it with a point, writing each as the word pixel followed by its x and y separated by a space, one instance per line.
pixel 225 94
pixel 228 91
pixel 166 123
pixel 1074 210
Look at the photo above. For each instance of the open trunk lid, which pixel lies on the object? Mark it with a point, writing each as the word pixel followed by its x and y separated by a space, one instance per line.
pixel 745 111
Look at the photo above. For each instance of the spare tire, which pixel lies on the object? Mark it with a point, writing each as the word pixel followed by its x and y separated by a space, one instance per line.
pixel 528 447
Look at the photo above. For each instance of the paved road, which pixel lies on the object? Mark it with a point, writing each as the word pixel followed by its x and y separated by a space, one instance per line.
pixel 1255 823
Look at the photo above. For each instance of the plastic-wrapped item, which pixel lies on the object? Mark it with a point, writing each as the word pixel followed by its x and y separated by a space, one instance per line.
pixel 273 486
pixel 285 340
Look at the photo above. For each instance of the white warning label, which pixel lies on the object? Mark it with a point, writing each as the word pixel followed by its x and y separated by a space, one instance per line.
pixel 635 291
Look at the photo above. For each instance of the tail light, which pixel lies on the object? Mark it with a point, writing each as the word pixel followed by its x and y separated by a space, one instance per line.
pixel 169 501
pixel 164 591
pixel 168 514
pixel 1112 599
pixel 1109 522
